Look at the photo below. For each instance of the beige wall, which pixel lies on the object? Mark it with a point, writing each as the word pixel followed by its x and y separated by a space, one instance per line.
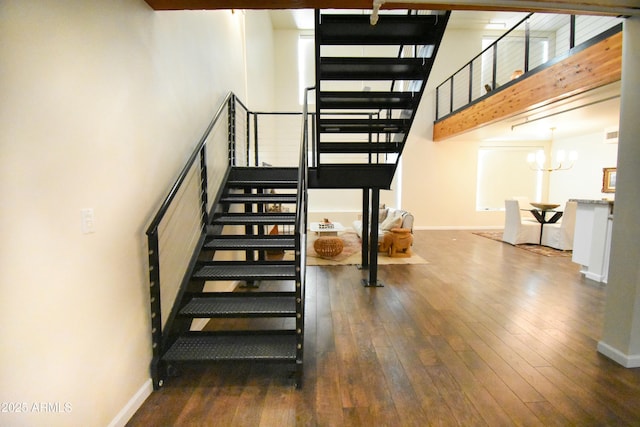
pixel 102 102
pixel 439 179
pixel 584 179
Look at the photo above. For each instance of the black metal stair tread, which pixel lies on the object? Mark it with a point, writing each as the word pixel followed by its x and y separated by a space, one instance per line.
pixel 279 241
pixel 270 173
pixel 262 184
pixel 338 68
pixel 351 175
pixel 250 305
pixel 259 198
pixel 240 270
pixel 367 100
pixel 359 147
pixel 242 347
pixel 255 218
pixel 363 125
pixel 390 29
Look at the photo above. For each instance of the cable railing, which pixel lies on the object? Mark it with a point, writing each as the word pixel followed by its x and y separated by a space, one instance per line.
pixel 178 229
pixel 534 41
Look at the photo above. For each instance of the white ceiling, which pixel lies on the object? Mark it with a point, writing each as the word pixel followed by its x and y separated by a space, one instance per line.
pixel 590 112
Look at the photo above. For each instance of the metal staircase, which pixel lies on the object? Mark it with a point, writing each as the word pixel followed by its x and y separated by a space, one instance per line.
pixel 245 280
pixel 241 228
pixel 369 82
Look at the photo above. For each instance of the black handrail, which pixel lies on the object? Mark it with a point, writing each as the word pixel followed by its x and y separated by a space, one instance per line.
pixel 490 47
pixel 185 171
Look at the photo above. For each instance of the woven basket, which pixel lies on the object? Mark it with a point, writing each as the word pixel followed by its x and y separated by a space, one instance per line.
pixel 328 246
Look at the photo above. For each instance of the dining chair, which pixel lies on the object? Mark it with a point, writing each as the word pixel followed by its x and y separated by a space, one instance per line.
pixel 560 234
pixel 524 204
pixel 517 230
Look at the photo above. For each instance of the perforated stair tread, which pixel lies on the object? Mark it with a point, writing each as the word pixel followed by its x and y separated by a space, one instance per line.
pixel 364 125
pixel 242 347
pixel 239 270
pixel 278 183
pixel 359 147
pixel 259 198
pixel 255 218
pixel 222 242
pixel 262 305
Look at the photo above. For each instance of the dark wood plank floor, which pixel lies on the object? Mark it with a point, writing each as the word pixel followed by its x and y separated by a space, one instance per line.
pixel 485 334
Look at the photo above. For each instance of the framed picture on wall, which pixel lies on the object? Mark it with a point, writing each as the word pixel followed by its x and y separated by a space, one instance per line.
pixel 608 180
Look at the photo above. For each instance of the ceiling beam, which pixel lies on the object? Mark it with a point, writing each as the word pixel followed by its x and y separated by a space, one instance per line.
pixel 597 7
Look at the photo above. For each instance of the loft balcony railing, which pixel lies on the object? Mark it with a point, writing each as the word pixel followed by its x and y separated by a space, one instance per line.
pixel 536 40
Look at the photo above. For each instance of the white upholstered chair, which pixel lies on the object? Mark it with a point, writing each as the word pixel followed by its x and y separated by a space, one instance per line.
pixel 524 204
pixel 517 230
pixel 560 234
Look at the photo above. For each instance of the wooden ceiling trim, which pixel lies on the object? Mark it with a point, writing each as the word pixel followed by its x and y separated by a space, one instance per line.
pixel 602 7
pixel 278 4
pixel 595 66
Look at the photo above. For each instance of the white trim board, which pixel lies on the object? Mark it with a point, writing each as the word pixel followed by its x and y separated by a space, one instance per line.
pixel 133 405
pixel 459 227
pixel 628 361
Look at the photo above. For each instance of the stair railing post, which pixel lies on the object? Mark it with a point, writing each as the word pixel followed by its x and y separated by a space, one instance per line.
pixel 527 45
pixel 470 82
pixel 232 130
pixel 255 140
pixel 438 102
pixel 494 68
pixel 157 373
pixel 451 94
pixel 314 142
pixel 204 191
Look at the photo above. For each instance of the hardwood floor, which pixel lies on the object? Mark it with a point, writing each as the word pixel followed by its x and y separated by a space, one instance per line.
pixel 485 334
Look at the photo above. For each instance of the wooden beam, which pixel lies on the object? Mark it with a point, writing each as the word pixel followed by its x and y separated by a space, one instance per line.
pixel 592 67
pixel 278 4
pixel 597 7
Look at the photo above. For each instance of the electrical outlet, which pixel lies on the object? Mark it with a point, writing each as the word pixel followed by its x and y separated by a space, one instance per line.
pixel 88 221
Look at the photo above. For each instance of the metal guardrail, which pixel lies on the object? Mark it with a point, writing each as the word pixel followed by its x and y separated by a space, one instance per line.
pixel 536 40
pixel 177 229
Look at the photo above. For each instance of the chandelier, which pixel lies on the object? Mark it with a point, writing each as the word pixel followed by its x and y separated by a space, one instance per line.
pixel 538 162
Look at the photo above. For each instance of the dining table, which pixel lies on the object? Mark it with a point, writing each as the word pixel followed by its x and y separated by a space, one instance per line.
pixel 540 211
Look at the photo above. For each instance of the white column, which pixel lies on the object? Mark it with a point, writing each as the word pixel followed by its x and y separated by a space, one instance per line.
pixel 621 331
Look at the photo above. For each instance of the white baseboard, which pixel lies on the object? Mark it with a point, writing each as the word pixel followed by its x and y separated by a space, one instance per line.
pixel 458 227
pixel 628 361
pixel 132 405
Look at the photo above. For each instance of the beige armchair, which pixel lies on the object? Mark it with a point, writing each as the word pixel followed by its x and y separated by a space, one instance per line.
pixel 517 230
pixel 560 234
